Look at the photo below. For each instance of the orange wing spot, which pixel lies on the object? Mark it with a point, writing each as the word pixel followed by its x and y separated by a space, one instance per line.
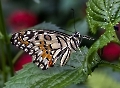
pixel 49 57
pixel 22 33
pixel 48 47
pixel 50 63
pixel 42 45
pixel 42 48
pixel 26 42
pixel 23 42
pixel 44 55
pixel 42 42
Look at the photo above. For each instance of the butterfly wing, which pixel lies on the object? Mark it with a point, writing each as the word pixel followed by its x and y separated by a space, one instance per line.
pixel 45 46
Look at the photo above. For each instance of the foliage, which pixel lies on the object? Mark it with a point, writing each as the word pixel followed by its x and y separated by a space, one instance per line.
pixel 32 77
pixel 103 13
pixel 97 12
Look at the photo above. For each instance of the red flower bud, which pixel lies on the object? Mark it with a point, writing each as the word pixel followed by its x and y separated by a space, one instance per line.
pixel 111 52
pixel 22 19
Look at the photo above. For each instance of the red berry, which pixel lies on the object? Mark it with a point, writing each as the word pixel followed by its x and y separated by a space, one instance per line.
pixel 24 59
pixel 111 52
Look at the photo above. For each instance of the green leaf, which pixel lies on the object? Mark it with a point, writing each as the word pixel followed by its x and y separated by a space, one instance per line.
pixel 115 66
pixel 101 13
pixel 104 14
pixel 48 26
pixel 33 77
pixel 107 37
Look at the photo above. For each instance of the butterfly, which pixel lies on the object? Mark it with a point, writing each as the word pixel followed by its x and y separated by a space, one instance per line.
pixel 46 46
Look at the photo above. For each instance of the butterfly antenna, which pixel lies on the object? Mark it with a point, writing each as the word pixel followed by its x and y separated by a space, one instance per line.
pixel 73 13
pixel 74 18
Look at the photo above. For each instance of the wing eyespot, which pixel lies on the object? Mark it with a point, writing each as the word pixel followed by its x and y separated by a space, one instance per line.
pixel 48 37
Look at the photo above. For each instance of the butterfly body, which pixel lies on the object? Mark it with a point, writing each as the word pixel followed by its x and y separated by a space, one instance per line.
pixel 46 46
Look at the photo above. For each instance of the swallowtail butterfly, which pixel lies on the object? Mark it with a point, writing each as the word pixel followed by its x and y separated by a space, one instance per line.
pixel 46 46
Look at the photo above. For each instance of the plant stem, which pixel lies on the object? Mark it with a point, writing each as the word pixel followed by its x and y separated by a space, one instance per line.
pixel 17 56
pixel 5 43
pixel 3 61
pixel 105 63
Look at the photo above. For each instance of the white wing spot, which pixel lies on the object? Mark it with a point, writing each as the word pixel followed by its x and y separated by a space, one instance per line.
pixel 39 52
pixel 26 49
pixel 45 33
pixel 36 33
pixel 18 43
pixel 45 61
pixel 28 32
pixel 33 57
pixel 41 66
pixel 16 35
pixel 15 40
pixel 23 45
pixel 31 52
pixel 37 43
pixel 30 45
pixel 40 59
pixel 25 38
pixel 36 48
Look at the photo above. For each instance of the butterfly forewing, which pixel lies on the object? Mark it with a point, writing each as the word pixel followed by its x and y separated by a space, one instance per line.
pixel 45 46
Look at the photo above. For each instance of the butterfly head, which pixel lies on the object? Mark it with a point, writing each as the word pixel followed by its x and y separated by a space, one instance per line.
pixel 77 38
pixel 77 35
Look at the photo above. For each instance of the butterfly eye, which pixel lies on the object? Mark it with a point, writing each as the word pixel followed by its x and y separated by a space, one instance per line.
pixel 77 34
